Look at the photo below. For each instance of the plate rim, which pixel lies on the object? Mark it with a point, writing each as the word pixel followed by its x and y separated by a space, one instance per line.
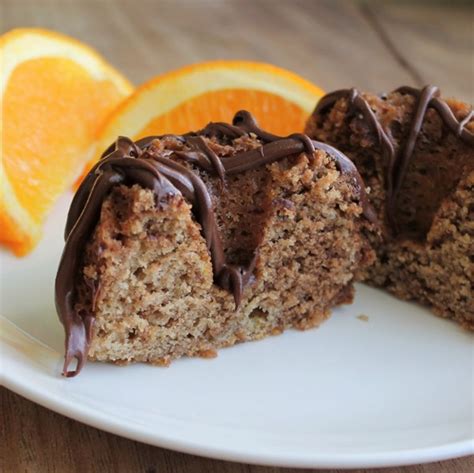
pixel 106 423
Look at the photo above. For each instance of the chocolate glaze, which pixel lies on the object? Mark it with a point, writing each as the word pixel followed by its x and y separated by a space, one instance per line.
pixel 140 163
pixel 397 158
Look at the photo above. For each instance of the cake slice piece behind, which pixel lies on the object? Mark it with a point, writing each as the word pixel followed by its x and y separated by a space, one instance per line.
pixel 416 153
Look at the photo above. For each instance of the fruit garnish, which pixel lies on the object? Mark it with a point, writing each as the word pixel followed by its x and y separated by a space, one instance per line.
pixel 190 97
pixel 56 93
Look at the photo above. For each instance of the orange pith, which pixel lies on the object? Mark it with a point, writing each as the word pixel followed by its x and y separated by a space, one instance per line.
pixel 221 105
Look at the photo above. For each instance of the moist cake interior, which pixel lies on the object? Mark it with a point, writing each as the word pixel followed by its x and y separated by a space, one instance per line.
pixel 291 218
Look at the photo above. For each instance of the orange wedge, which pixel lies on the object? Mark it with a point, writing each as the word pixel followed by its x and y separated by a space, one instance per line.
pixel 189 98
pixel 55 93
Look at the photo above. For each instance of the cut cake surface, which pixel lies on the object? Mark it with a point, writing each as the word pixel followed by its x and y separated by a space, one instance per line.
pixel 180 245
pixel 415 151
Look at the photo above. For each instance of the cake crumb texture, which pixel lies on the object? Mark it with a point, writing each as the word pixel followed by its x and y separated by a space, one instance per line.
pixel 147 273
pixel 431 257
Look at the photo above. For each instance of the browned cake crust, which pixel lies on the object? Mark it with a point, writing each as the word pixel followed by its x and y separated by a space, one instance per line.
pixel 427 253
pixel 147 275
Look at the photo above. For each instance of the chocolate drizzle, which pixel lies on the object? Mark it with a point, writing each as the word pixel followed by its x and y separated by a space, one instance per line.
pixel 140 163
pixel 397 158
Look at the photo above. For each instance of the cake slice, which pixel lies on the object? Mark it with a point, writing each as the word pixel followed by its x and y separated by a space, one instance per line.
pixel 416 153
pixel 180 245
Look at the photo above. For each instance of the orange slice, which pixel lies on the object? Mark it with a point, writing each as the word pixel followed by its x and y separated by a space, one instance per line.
pixel 55 93
pixel 189 98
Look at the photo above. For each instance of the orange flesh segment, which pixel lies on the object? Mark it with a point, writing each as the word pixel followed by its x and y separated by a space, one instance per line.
pixel 54 92
pixel 273 113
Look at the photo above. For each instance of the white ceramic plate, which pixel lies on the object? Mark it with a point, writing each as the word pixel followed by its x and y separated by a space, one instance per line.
pixel 393 390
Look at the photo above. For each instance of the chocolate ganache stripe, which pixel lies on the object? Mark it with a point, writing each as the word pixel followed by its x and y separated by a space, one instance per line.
pixel 445 112
pixel 399 165
pixel 78 326
pixel 131 163
pixel 203 157
pixel 397 158
pixel 122 147
pixel 301 143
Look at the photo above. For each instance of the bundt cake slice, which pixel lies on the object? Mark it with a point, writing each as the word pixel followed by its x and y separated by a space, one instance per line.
pixel 416 153
pixel 179 245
